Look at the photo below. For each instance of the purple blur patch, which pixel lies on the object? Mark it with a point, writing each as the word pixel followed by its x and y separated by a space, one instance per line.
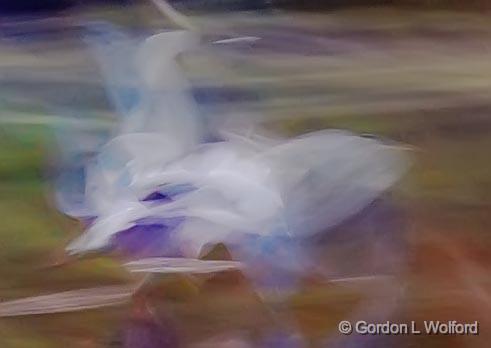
pixel 167 193
pixel 148 238
pixel 156 196
pixel 147 333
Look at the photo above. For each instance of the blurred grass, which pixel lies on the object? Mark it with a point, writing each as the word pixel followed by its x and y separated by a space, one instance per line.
pixel 30 230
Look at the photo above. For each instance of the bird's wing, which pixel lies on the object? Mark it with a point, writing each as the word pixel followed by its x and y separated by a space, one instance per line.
pixel 325 177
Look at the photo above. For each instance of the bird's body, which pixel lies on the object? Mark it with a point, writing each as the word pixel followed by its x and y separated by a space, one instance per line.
pixel 156 187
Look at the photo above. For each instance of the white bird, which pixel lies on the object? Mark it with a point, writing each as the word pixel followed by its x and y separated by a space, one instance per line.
pixel 157 173
pixel 156 187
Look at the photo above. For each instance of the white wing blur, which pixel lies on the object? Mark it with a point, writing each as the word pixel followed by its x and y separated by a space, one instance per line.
pixel 246 184
pixel 325 177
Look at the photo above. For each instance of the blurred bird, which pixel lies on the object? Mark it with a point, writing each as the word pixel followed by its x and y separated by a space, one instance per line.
pixel 158 188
